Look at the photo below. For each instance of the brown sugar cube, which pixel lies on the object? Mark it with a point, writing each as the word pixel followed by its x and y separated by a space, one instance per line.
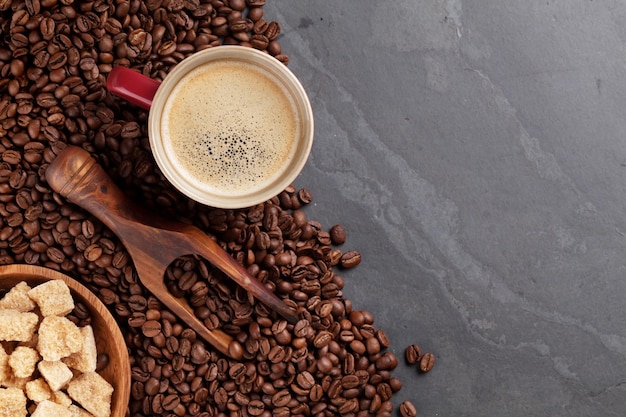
pixel 56 374
pixel 12 402
pixel 85 360
pixel 32 343
pixel 23 361
pixel 58 338
pixel 17 299
pixel 38 390
pixel 76 411
pixel 5 369
pixel 48 408
pixel 92 392
pixel 61 398
pixel 17 326
pixel 53 298
pixel 15 382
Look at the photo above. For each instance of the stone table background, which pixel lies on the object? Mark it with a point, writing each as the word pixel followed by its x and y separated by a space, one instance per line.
pixel 475 151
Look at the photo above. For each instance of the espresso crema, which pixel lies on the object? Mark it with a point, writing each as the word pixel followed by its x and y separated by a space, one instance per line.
pixel 231 127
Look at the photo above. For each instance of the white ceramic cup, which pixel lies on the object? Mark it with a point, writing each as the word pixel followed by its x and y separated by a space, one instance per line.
pixel 229 126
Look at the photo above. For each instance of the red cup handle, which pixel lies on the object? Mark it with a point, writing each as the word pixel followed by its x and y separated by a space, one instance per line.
pixel 132 86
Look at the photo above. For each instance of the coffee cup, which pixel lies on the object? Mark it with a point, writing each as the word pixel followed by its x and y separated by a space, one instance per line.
pixel 229 126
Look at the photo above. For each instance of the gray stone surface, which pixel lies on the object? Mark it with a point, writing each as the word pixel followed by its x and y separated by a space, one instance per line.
pixel 475 151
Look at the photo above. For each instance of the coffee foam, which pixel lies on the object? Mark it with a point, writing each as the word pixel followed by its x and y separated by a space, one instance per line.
pixel 232 128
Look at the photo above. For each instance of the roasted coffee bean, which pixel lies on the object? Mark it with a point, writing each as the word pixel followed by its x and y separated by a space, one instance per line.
pixel 387 361
pixel 55 255
pixel 137 390
pixel 305 380
pixel 255 408
pixel 301 328
pixel 12 157
pixel 276 354
pixel 47 27
pixel 152 386
pixel 136 319
pixel 187 280
pixel 334 389
pixel 259 41
pixel 170 402
pixel 41 59
pixel 57 60
pixel 184 347
pixel 17 67
pixel 384 391
pixel 138 374
pixel 382 338
pixel 102 361
pixel 413 354
pixel 338 234
pixel 70 100
pixel 167 48
pixel 272 31
pixel 283 58
pixel 322 339
pixel 151 328
pixel 407 409
pixel 395 384
pixel 316 393
pixel 199 354
pixel 350 259
pixel 220 397
pixel 427 362
pixel 108 296
pixel 348 364
pixel 93 252
pixel 350 406
pixel 372 345
pixel 281 398
pixel 237 370
pixel 137 302
pixel 274 48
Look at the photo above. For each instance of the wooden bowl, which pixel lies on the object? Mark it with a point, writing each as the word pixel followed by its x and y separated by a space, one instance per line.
pixel 109 339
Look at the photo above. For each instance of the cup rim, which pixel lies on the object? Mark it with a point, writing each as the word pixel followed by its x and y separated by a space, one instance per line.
pixel 184 184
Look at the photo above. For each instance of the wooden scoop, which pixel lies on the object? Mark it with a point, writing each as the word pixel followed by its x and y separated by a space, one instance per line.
pixel 153 242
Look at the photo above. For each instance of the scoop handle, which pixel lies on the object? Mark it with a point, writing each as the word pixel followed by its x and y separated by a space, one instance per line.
pixel 77 176
pixel 132 86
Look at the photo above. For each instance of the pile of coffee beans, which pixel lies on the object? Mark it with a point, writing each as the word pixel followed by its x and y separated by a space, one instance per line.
pixel 54 59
